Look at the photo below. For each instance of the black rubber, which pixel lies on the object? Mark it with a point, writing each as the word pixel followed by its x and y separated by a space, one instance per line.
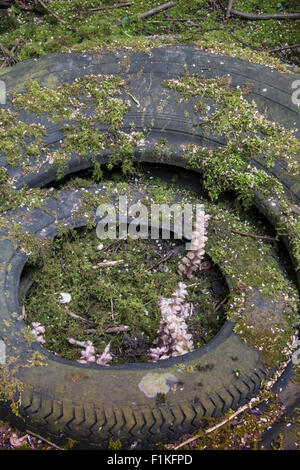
pixel 91 403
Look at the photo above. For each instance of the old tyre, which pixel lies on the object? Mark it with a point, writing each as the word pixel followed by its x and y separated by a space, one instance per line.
pixel 94 404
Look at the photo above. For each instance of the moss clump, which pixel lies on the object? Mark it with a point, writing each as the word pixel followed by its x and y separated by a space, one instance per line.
pixel 85 103
pixel 248 134
pixel 250 137
pixel 10 386
pixel 115 445
pixel 19 140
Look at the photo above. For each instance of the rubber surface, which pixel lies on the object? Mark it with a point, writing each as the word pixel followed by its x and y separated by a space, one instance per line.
pixel 93 403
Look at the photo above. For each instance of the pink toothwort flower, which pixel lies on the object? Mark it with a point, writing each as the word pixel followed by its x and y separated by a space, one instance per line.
pixel 192 260
pixel 172 337
pixel 88 353
pixel 105 357
pixel 38 330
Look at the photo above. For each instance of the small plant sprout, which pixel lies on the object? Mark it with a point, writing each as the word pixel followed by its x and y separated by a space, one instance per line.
pixel 192 260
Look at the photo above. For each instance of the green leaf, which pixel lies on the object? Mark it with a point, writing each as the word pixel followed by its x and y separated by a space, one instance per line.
pixel 15 10
pixel 125 21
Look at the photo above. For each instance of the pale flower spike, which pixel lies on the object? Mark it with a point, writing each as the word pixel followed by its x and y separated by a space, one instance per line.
pixel 172 336
pixel 88 353
pixel 192 260
pixel 173 339
pixel 38 330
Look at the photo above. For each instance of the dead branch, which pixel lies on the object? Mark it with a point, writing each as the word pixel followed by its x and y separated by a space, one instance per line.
pixel 108 7
pixel 45 440
pixel 265 16
pixel 168 256
pixel 10 58
pixel 222 303
pixel 246 44
pixel 78 317
pixel 229 7
pixel 106 264
pixel 252 235
pixel 284 48
pixel 175 20
pixel 208 431
pixel 113 329
pixel 156 10
pixel 58 18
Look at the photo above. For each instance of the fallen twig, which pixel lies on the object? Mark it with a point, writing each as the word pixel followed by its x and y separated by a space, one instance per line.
pixel 10 58
pixel 78 317
pixel 284 48
pixel 62 265
pixel 229 7
pixel 246 44
pixel 106 264
pixel 43 439
pixel 156 10
pixel 222 303
pixel 111 244
pixel 55 15
pixel 120 245
pixel 175 19
pixel 265 16
pixel 21 5
pixel 168 256
pixel 252 235
pixel 113 329
pixel 208 431
pixel 193 285
pixel 115 5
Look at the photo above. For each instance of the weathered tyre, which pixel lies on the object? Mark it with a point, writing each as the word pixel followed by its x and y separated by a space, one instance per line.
pixel 93 404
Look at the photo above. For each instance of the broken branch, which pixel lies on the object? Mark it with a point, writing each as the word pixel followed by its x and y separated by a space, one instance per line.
pixel 156 10
pixel 113 329
pixel 78 317
pixel 168 256
pixel 106 264
pixel 109 7
pixel 58 18
pixel 229 7
pixel 252 235
pixel 284 48
pixel 208 431
pixel 265 16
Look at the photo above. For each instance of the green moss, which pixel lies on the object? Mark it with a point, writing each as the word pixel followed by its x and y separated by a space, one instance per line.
pixel 10 386
pixel 19 140
pixel 161 398
pixel 108 297
pixel 248 134
pixel 120 28
pixel 114 445
pixel 27 335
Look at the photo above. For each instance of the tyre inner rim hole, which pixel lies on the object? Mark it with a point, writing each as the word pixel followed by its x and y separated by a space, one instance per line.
pixel 132 344
pixel 138 317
